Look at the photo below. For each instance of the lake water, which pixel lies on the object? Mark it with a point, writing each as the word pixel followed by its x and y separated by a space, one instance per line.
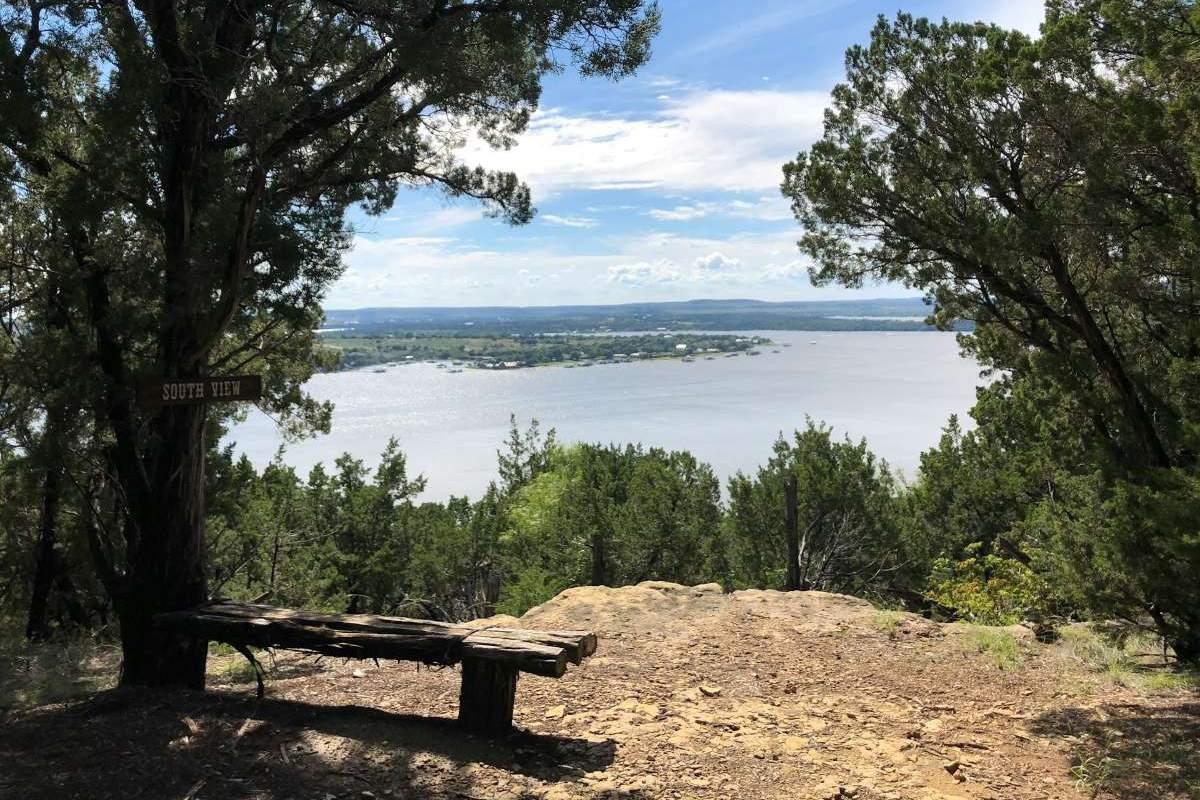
pixel 895 389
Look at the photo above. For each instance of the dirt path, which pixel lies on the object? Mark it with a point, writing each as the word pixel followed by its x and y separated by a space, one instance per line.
pixel 694 694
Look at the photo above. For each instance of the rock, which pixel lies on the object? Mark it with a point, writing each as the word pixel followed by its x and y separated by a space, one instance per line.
pixel 359 673
pixel 795 744
pixel 556 712
pixel 951 767
pixel 710 691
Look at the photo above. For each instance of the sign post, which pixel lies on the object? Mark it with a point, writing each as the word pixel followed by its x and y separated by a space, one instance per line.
pixel 159 392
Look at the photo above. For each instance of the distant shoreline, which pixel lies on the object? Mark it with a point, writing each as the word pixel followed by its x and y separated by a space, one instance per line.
pixel 457 351
pixel 904 314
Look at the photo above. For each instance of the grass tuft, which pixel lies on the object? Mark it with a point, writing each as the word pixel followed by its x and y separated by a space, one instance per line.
pixel 887 621
pixel 999 644
pixel 63 668
pixel 1125 658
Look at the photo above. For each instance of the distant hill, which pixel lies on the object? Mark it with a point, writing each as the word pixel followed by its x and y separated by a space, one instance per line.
pixel 901 314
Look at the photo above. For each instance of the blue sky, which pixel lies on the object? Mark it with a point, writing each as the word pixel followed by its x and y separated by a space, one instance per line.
pixel 660 187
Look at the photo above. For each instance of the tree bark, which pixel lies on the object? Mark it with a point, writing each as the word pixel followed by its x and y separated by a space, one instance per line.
pixel 167 568
pixel 1187 646
pixel 791 526
pixel 1111 366
pixel 47 561
pixel 599 560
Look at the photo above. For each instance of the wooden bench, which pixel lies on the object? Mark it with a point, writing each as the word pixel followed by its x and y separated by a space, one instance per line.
pixel 491 658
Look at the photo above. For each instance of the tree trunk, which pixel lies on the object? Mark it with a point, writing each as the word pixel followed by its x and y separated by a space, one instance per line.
pixel 599 562
pixel 1186 645
pixel 1110 364
pixel 791 525
pixel 46 561
pixel 167 568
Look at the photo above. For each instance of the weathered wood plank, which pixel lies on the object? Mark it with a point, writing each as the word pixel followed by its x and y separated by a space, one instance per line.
pixel 578 644
pixel 366 636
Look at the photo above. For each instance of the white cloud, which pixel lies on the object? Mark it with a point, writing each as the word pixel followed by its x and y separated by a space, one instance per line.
pixel 769 208
pixel 707 140
pixel 416 271
pixel 716 262
pixel 795 270
pixel 681 213
pixel 569 222
pixel 643 274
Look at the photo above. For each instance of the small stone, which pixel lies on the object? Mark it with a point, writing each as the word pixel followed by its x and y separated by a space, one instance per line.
pixel 710 691
pixel 951 766
pixel 556 712
pixel 359 673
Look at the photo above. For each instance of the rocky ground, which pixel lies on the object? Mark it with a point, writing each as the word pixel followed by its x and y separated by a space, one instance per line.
pixel 693 694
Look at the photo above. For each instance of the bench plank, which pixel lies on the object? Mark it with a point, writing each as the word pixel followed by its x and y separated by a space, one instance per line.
pixel 415 641
pixel 578 644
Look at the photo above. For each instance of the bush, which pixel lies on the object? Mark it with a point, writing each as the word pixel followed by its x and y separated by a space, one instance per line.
pixel 989 590
pixel 532 587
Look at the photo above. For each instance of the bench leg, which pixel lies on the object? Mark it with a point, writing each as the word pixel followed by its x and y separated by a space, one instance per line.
pixel 485 701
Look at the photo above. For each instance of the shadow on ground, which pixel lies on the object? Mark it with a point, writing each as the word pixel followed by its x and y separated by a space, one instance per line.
pixel 1131 751
pixel 145 744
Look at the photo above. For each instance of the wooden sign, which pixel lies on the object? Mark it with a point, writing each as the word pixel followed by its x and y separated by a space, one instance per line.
pixel 156 392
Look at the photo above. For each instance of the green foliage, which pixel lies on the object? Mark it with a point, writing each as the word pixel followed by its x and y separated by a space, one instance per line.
pixel 1045 190
pixel 531 587
pixel 846 517
pixel 1113 540
pixel 989 590
pixel 616 515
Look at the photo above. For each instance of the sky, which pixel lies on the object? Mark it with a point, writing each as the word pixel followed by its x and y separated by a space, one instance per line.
pixel 663 186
